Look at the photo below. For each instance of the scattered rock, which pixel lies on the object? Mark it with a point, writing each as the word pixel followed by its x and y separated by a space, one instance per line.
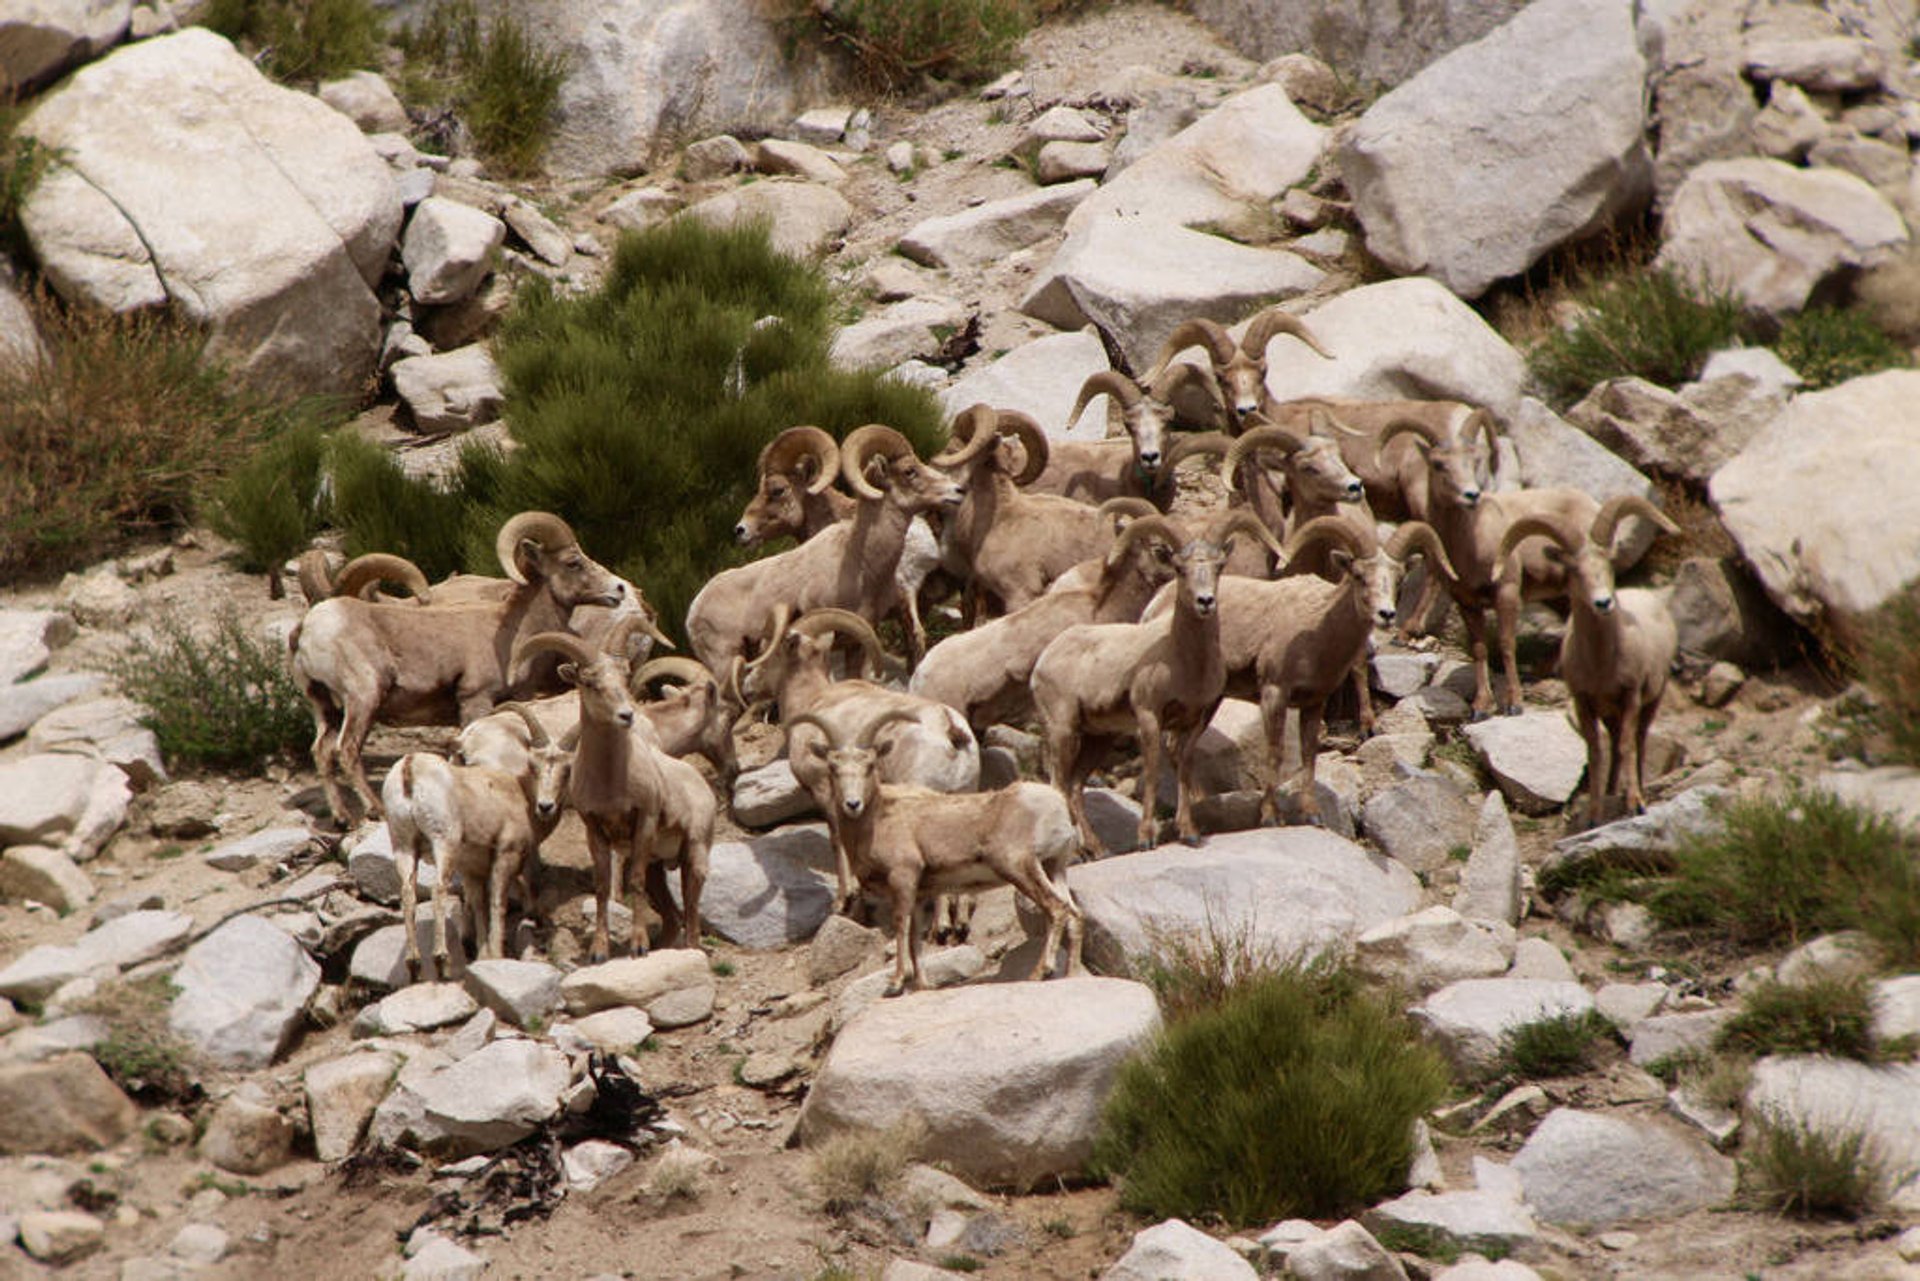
pixel 1536 758
pixel 588 1165
pixel 60 1236
pixel 840 945
pixel 22 705
pixel 1848 954
pixel 44 876
pixel 1663 1036
pixel 804 216
pixel 273 846
pixel 451 391
pixel 366 98
pixel 1420 821
pixel 1837 1097
pixel 247 1135
pixel 1490 885
pixel 674 987
pixel 342 1094
pixel 62 1104
pixel 1434 947
pixel 1344 1252
pixel 1176 1251
pixel 487 1100
pixel 242 991
pixel 991 231
pixel 714 157
pixel 419 1008
pixel 1469 1018
pixel 521 992
pixel 1599 1169
pixel 770 794
pixel 27 639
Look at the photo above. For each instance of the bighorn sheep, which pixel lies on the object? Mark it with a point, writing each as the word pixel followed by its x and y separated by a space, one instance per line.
pixel 795 497
pixel 643 809
pixel 984 673
pixel 851 565
pixel 909 843
pixel 1237 371
pixel 932 744
pixel 483 823
pixel 1471 524
pixel 1617 649
pixel 1312 633
pixel 1393 472
pixel 1008 543
pixel 1138 465
pixel 1099 680
pixel 358 662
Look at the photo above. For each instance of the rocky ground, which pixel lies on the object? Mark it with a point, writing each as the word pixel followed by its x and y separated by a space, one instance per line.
pixel 729 1048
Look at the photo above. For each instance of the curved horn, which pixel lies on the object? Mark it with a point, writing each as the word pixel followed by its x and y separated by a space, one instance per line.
pixel 544 528
pixel 786 453
pixel 311 571
pixel 1198 332
pixel 363 572
pixel 1430 435
pixel 1614 510
pixel 1268 437
pixel 1322 416
pixel 972 435
pixel 809 718
pixel 1126 506
pixel 1108 382
pixel 864 736
pixel 1272 321
pixel 619 638
pixel 847 623
pixel 1154 526
pixel 1240 518
pixel 1323 529
pixel 860 445
pixel 1418 536
pixel 1188 444
pixel 1023 428
pixel 565 644
pixel 1534 527
pixel 1164 386
pixel 536 732
pixel 685 670
pixel 782 619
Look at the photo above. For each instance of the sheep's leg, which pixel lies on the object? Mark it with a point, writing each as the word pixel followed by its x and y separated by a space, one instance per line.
pixel 910 616
pixel 1063 771
pixel 493 943
pixel 646 835
pixel 410 902
pixel 355 725
pixel 1415 618
pixel 1626 753
pixel 1475 619
pixel 326 760
pixel 1183 820
pixel 1641 730
pixel 1589 724
pixel 846 892
pixel 1033 885
pixel 1363 692
pixel 601 850
pixel 1506 608
pixel 1273 711
pixel 443 875
pixel 902 887
pixel 1311 718
pixel 1148 727
pixel 693 879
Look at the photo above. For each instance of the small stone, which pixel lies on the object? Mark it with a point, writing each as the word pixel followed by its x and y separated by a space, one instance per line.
pixel 60 1236
pixel 1536 958
pixel 44 875
pixel 839 946
pixel 273 846
pixel 200 1244
pixel 714 157
pixel 247 1136
pixel 900 158
pixel 587 1165
pixel 1722 681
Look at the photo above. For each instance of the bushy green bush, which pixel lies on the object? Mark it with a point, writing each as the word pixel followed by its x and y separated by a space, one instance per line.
pixel 1653 324
pixel 217 692
pixel 1884 647
pixel 1828 345
pixel 302 40
pixel 1294 1096
pixel 896 43
pixel 1825 1014
pixel 1780 870
pixel 1559 1046
pixel 1807 1172
pixel 494 75
pixel 269 505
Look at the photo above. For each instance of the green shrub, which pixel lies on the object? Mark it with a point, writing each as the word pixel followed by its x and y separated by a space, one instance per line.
pixel 1189 975
pixel 1795 1169
pixel 1295 1096
pixel 639 410
pixel 1653 324
pixel 113 437
pixel 302 40
pixel 141 1052
pixel 1559 1046
pixel 1779 871
pixel 496 77
pixel 217 693
pixel 1884 647
pixel 270 504
pixel 22 162
pixel 1828 345
pixel 896 43
pixel 1826 1014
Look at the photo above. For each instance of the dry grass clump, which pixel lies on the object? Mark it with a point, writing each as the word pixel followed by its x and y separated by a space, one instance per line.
pixel 854 1167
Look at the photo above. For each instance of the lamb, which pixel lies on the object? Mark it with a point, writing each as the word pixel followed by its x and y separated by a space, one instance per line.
pixel 1237 372
pixel 1137 465
pixel 985 673
pixel 851 565
pixel 936 750
pixel 483 823
pixel 1312 633
pixel 1471 525
pixel 359 662
pixel 910 843
pixel 1008 543
pixel 1618 648
pixel 1096 681
pixel 795 497
pixel 643 810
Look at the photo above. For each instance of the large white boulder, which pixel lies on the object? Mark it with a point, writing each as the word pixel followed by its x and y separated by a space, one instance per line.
pixel 1598 1169
pixel 1007 1079
pixel 1469 1019
pixel 1175 1250
pixel 1537 758
pixel 253 209
pixel 451 390
pixel 1041 378
pixel 494 1096
pixel 1372 41
pixel 1836 1097
pixel 53 798
pixel 243 990
pixel 770 891
pixel 1771 233
pixel 341 1096
pixel 1290 891
pixel 1469 173
pixel 803 218
pixel 988 232
pixel 1399 340
pixel 41 38
pixel 1809 504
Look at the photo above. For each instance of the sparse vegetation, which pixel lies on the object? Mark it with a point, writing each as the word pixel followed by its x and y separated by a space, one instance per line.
pixel 1885 649
pixel 141 1052
pixel 897 43
pixel 1780 870
pixel 674 1177
pixel 1653 324
pixel 1824 1014
pixel 1293 1095
pixel 1191 975
pixel 849 1168
pixel 1559 1046
pixel 494 75
pixel 301 41
pixel 1435 1245
pixel 216 692
pixel 1828 345
pixel 22 161
pixel 1799 1170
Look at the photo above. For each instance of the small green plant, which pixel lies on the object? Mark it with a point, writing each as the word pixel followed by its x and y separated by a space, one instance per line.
pixel 1720 1080
pixel 1829 345
pixel 1460 853
pixel 721 968
pixel 494 74
pixel 1777 871
pixel 1884 648
pixel 208 1181
pixel 849 1168
pixel 1437 1246
pixel 270 504
pixel 1824 1014
pixel 1563 1045
pixel 960 1263
pixel 1294 1095
pixel 1799 1170
pixel 22 162
pixel 216 693
pixel 896 43
pixel 648 1046
pixel 1060 1227
pixel 170 851
pixel 302 40
pixel 1653 324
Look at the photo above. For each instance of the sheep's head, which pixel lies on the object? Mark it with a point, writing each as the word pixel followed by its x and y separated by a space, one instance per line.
pixel 696 699
pixel 852 760
pixel 361 575
pixel 549 768
pixel 1198 559
pixel 1312 466
pixel 798 463
pixel 879 464
pixel 980 446
pixel 540 547
pixel 804 646
pixel 1456 467
pixel 1354 554
pixel 1146 416
pixel 600 675
pixel 1585 556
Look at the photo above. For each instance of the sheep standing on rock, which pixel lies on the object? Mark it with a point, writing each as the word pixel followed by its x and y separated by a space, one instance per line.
pixel 1236 371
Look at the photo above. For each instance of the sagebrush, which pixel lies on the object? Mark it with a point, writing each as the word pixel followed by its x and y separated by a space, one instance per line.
pixel 1653 324
pixel 302 40
pixel 501 82
pixel 1561 1045
pixel 1822 1014
pixel 216 691
pixel 896 43
pixel 1809 1172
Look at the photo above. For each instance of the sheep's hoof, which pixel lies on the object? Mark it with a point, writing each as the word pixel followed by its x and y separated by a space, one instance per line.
pixel 596 958
pixel 894 988
pixel 1193 840
pixel 1478 714
pixel 1511 709
pixel 413 970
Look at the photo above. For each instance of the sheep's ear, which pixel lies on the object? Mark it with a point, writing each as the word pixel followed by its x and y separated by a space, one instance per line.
pixel 817 748
pixel 1342 561
pixel 568 673
pixel 883 750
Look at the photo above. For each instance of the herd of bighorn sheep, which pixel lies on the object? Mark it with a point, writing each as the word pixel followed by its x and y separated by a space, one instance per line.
pixel 1106 602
